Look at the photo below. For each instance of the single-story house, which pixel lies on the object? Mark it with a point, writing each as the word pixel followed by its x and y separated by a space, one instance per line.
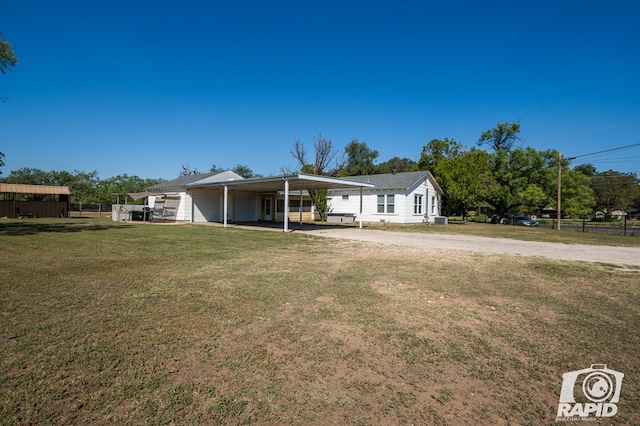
pixel 405 198
pixel 412 197
pixel 227 197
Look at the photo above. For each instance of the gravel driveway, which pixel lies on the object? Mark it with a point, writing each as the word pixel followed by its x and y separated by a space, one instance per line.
pixel 629 256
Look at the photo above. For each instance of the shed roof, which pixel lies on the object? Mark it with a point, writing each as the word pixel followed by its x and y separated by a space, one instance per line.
pixel 17 188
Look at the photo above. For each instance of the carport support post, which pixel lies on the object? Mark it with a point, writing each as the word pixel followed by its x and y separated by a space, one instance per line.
pixel 300 207
pixel 360 207
pixel 226 198
pixel 286 206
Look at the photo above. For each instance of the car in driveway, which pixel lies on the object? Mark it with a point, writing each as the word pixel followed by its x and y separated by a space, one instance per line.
pixel 520 220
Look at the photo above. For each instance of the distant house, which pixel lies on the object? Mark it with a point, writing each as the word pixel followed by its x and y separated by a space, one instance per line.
pixel 405 198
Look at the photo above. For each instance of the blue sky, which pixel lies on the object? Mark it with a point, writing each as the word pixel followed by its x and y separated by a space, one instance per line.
pixel 143 87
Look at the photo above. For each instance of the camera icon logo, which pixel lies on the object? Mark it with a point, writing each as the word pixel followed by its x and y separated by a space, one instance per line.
pixel 593 391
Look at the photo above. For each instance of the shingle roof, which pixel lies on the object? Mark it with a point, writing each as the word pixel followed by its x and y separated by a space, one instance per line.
pixel 395 181
pixel 12 188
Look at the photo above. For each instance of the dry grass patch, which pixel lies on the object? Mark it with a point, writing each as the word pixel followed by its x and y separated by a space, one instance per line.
pixel 105 322
pixel 542 233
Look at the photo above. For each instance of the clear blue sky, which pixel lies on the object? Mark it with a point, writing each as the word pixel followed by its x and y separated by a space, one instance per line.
pixel 142 87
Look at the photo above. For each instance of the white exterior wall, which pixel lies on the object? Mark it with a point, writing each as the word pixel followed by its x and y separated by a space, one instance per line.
pixel 185 208
pixel 403 205
pixel 207 207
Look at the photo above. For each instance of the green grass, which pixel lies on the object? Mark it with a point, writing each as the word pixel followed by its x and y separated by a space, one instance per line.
pixel 105 322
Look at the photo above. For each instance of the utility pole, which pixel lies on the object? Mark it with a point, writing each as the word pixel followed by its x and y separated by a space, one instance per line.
pixel 559 191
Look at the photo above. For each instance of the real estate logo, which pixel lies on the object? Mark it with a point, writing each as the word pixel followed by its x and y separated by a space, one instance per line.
pixel 589 393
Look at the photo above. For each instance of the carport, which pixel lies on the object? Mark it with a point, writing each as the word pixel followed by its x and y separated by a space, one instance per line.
pixel 294 182
pixel 21 200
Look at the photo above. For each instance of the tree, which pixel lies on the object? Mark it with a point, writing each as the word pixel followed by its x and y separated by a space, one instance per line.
pixel 188 171
pixel 502 137
pixel 578 198
pixel 216 169
pixel 325 154
pixel 324 151
pixel 396 165
pixel 359 159
pixel 614 190
pixel 437 150
pixel 243 171
pixel 466 180
pixel 1 161
pixel 7 56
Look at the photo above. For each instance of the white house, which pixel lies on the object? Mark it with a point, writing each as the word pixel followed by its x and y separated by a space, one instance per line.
pixel 410 197
pixel 173 201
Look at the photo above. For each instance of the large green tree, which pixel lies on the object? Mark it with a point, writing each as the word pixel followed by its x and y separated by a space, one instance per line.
pixel 527 182
pixel 502 137
pixel 243 171
pixel 466 180
pixel 614 190
pixel 396 165
pixel 360 159
pixel 437 150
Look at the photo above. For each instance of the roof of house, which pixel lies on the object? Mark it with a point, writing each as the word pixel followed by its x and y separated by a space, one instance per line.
pixel 182 182
pixel 295 182
pixel 396 181
pixel 13 188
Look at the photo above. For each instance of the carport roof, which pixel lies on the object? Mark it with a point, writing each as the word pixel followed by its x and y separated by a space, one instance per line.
pixel 13 188
pixel 297 181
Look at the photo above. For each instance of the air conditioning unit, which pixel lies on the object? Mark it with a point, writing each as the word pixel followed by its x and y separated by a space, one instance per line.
pixel 441 220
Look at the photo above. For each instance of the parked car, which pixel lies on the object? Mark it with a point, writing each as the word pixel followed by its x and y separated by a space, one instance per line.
pixel 520 220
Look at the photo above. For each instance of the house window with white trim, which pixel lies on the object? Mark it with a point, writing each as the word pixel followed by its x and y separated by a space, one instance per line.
pixel 433 205
pixel 386 203
pixel 417 204
pixel 345 197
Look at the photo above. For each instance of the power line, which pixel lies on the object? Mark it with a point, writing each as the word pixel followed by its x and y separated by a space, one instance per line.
pixel 606 150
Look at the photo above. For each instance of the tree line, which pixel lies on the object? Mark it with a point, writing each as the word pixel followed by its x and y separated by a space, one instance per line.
pixel 502 179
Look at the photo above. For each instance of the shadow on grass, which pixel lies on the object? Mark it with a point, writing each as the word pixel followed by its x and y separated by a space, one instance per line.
pixel 293 226
pixel 27 227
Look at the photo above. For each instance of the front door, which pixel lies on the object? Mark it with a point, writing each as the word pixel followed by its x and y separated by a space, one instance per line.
pixel 266 209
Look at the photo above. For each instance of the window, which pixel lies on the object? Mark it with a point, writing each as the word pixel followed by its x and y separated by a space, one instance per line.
pixel 386 203
pixel 380 203
pixel 294 205
pixel 417 204
pixel 345 197
pixel 433 205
